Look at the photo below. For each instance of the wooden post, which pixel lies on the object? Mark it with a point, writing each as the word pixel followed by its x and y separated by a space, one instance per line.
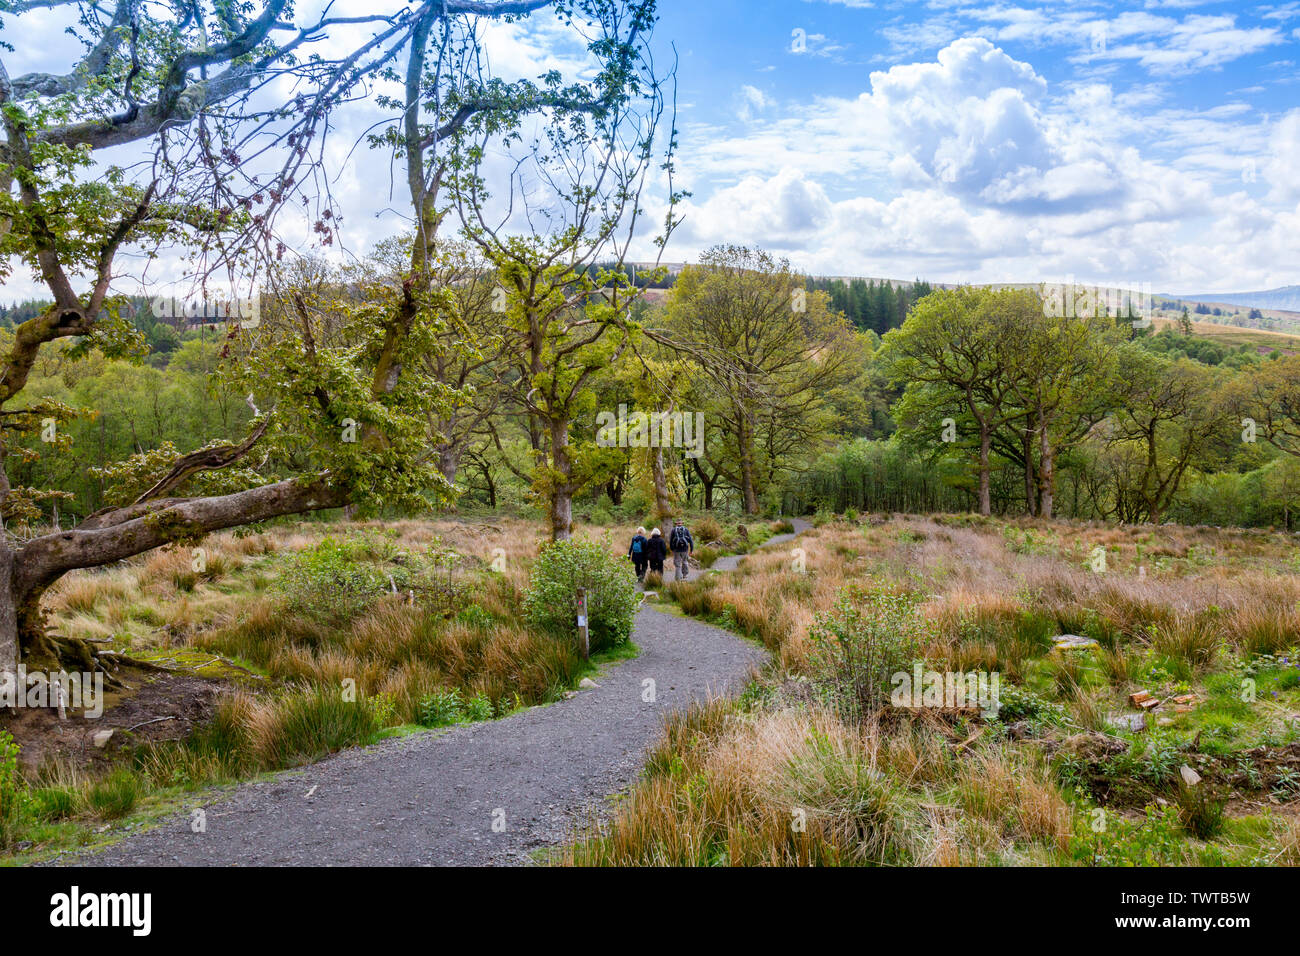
pixel 582 622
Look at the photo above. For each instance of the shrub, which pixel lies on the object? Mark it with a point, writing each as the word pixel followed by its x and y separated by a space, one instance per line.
pixel 870 635
pixel 478 707
pixel 332 578
pixel 440 708
pixel 11 790
pixel 336 579
pixel 384 707
pixel 706 556
pixel 565 566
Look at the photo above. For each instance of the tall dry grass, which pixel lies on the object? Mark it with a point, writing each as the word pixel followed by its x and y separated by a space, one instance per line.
pixel 798 787
pixel 995 601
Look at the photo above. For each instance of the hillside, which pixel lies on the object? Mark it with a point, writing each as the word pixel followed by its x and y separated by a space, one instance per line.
pixel 1284 299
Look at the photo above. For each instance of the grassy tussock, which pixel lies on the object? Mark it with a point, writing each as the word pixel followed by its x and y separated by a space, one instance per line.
pixel 797 787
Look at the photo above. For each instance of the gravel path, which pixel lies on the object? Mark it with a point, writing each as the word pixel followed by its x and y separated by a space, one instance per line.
pixel 489 793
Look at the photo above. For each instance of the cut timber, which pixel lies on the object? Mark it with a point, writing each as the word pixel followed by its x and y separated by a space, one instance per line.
pixel 1137 697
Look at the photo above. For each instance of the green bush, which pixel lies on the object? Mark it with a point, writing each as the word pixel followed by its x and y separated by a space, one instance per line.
pixel 440 708
pixel 565 566
pixel 338 579
pixel 868 637
pixel 11 790
pixel 478 707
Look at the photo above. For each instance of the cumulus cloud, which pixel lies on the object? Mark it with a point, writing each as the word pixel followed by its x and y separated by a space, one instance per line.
pixel 970 167
pixel 783 211
pixel 973 122
pixel 1283 166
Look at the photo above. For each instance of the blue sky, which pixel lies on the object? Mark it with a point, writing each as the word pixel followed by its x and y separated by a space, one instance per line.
pixel 1155 141
pixel 1113 142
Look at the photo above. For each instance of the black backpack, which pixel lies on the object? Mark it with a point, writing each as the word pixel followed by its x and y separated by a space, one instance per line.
pixel 678 539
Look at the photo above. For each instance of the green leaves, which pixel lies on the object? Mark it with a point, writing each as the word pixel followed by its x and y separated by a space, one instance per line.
pixel 565 566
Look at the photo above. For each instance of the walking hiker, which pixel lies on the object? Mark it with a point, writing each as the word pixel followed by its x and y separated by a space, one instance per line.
pixel 656 550
pixel 638 553
pixel 683 546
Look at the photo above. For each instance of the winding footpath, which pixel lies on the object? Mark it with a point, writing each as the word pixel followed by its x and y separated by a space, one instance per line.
pixel 490 793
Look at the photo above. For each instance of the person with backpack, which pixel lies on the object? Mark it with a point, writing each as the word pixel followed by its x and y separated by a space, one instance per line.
pixel 656 550
pixel 639 553
pixel 683 546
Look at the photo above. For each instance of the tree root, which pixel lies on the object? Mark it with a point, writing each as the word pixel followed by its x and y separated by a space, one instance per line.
pixel 55 652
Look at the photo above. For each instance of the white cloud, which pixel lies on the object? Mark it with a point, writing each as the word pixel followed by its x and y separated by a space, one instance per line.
pixel 1282 168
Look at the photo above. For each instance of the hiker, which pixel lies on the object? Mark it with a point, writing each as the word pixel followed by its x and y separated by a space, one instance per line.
pixel 656 550
pixel 638 553
pixel 683 546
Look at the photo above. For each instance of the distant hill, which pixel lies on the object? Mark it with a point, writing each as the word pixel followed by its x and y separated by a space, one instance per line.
pixel 1286 299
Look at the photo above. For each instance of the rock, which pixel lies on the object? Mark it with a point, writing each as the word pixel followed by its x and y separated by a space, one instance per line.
pixel 587 682
pixel 1133 722
pixel 1190 776
pixel 1068 642
pixel 1164 721
pixel 102 738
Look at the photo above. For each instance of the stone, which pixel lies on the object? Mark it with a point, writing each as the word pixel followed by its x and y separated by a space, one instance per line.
pixel 1190 776
pixel 587 682
pixel 101 738
pixel 1134 722
pixel 1070 642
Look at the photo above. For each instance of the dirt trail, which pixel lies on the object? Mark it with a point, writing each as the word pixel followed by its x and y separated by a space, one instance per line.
pixel 434 798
